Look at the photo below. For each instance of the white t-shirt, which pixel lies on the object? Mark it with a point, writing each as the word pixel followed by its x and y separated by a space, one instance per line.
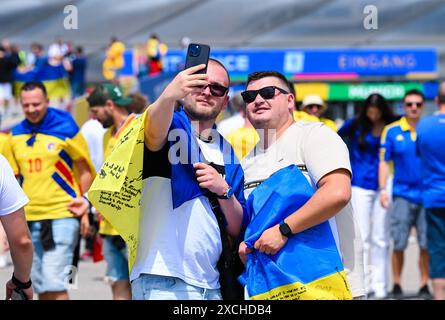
pixel 12 196
pixel 321 151
pixel 184 242
pixel 232 123
pixel 93 132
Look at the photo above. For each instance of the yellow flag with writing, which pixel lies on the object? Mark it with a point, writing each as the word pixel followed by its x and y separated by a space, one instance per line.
pixel 116 190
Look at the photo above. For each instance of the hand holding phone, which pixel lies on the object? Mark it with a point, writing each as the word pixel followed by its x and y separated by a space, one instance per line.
pixel 197 54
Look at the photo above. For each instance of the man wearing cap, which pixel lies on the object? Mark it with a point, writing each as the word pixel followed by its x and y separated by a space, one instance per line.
pixel 430 142
pixel 110 107
pixel 314 105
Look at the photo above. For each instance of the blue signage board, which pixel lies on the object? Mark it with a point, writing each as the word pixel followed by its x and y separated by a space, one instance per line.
pixel 320 63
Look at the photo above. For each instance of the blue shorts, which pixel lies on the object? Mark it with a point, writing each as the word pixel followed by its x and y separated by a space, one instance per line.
pixel 403 215
pixel 52 270
pixel 116 258
pixel 436 241
pixel 156 287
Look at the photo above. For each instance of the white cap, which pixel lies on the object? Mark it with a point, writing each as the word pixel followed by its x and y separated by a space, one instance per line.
pixel 313 99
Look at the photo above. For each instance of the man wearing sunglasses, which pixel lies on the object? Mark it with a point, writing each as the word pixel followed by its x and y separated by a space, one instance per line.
pixel 185 176
pixel 324 160
pixel 430 142
pixel 398 144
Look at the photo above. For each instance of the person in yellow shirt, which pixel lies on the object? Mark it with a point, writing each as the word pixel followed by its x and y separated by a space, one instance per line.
pixel 243 139
pixel 114 61
pixel 50 154
pixel 156 50
pixel 315 106
pixel 111 108
pixel 3 142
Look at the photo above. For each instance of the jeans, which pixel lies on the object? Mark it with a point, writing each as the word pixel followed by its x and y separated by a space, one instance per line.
pixel 51 270
pixel 156 287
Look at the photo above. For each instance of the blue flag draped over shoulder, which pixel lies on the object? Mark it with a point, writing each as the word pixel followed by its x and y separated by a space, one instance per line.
pixel 57 123
pixel 309 265
pixel 119 197
pixel 184 184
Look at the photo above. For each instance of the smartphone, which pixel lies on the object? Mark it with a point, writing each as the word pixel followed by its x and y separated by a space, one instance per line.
pixel 197 54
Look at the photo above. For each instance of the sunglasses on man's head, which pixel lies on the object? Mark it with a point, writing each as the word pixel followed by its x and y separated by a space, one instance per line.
pixel 216 89
pixel 411 104
pixel 249 96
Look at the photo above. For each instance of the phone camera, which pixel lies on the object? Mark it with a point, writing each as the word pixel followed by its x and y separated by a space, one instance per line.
pixel 195 50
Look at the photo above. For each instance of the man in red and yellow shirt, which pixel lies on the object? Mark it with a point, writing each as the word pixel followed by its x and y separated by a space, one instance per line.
pixel 49 153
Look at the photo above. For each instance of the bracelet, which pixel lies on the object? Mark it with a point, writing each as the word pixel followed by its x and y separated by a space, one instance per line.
pixel 89 203
pixel 19 284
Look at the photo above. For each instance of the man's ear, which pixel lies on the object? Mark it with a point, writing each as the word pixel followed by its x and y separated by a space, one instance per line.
pixel 226 102
pixel 109 103
pixel 291 101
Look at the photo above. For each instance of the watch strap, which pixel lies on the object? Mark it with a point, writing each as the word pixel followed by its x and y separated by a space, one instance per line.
pixel 19 284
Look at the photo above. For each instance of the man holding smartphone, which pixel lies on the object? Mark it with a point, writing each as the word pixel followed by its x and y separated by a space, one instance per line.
pixel 180 241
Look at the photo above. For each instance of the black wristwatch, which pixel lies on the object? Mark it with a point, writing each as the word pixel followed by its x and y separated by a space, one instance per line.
pixel 19 284
pixel 285 230
pixel 227 195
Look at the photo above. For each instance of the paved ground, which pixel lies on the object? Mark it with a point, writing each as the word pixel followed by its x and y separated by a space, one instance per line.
pixel 91 286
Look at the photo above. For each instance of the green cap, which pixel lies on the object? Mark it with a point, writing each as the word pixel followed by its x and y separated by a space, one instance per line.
pixel 107 91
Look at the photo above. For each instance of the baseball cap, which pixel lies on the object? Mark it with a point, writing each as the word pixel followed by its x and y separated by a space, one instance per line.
pixel 107 91
pixel 313 99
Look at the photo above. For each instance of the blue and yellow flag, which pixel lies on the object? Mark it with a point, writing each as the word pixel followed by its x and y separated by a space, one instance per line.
pixel 59 124
pixel 54 78
pixel 309 266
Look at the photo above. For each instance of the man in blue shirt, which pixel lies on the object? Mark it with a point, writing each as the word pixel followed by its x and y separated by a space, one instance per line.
pixel 398 144
pixel 430 146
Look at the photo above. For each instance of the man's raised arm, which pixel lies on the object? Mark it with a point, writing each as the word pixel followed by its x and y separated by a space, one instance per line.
pixel 160 113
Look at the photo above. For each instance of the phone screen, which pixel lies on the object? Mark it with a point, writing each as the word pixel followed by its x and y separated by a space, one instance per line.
pixel 197 54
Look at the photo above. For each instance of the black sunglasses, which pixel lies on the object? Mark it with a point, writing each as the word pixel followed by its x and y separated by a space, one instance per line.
pixel 249 96
pixel 417 104
pixel 216 89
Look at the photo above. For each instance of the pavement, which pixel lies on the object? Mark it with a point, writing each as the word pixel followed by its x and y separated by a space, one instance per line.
pixel 10 118
pixel 90 284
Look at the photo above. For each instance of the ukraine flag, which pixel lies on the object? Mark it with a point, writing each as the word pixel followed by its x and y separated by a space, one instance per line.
pixel 54 78
pixel 309 266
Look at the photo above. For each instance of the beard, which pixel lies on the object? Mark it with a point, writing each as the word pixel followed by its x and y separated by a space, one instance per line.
pixel 200 113
pixel 107 122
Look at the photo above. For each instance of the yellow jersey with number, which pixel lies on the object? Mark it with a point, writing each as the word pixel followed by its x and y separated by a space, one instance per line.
pixel 44 156
pixel 47 169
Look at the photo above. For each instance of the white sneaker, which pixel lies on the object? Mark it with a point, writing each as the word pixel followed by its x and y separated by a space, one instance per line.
pixel 380 294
